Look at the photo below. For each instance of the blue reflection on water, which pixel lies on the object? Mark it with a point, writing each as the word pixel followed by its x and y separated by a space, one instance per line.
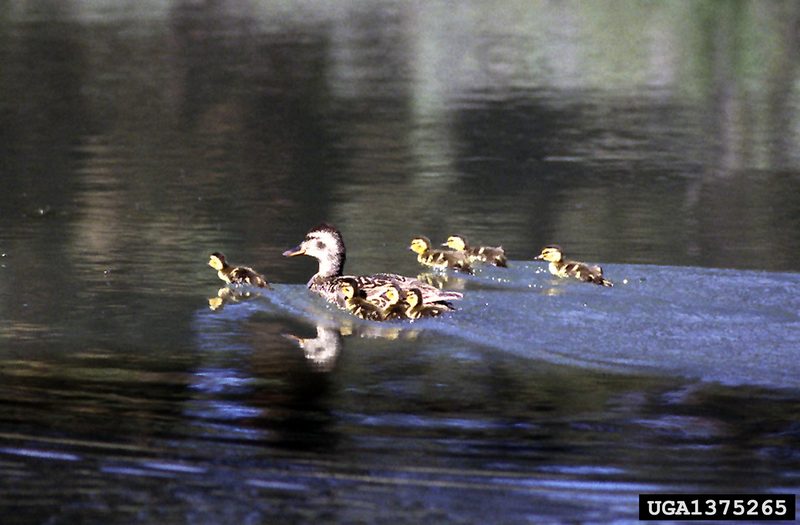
pixel 733 327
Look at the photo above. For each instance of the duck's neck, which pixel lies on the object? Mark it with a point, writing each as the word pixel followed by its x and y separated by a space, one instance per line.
pixel 411 311
pixel 330 267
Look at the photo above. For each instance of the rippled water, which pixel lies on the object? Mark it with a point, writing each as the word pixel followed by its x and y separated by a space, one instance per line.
pixel 657 139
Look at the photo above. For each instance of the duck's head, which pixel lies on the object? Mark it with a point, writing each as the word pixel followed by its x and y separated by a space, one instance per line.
pixel 420 244
pixel 413 297
pixel 217 261
pixel 324 243
pixel 393 295
pixel 456 242
pixel 551 253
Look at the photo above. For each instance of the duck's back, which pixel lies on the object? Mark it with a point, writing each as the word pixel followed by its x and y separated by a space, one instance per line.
pixel 585 273
pixel 489 254
pixel 430 294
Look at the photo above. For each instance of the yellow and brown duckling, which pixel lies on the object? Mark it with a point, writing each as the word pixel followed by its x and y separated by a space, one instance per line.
pixel 416 309
pixel 565 268
pixel 355 301
pixel 325 243
pixel 441 259
pixel 495 255
pixel 393 303
pixel 236 274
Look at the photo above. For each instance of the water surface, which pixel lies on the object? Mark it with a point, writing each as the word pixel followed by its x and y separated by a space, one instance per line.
pixel 657 139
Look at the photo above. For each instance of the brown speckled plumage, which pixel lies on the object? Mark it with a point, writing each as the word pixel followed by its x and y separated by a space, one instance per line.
pixel 564 268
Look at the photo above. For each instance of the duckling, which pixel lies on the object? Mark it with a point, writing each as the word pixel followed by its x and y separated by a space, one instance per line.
pixel 415 309
pixel 427 256
pixel 393 306
pixel 236 274
pixel 356 303
pixel 485 254
pixel 325 243
pixel 566 268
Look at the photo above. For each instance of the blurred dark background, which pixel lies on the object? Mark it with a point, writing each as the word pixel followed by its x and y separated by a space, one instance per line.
pixel 136 137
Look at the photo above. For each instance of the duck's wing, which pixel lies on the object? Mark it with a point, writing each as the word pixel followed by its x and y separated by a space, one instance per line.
pixel 458 261
pixel 496 256
pixel 500 260
pixel 430 294
pixel 378 299
pixel 597 276
pixel 588 274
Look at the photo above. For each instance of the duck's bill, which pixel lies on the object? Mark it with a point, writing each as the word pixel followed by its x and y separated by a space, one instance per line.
pixel 297 250
pixel 538 257
pixel 292 337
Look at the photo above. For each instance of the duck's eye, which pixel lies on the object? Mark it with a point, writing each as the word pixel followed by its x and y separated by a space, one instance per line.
pixel 320 245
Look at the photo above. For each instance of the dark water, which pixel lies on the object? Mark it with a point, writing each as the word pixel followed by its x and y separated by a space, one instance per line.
pixel 660 139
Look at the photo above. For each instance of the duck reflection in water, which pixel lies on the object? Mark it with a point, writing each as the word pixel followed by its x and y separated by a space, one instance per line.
pixel 227 296
pixel 323 350
pixel 442 280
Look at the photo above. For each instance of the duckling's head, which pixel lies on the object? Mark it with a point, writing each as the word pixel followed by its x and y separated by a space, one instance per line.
pixel 324 243
pixel 551 253
pixel 392 295
pixel 348 287
pixel 456 242
pixel 217 261
pixel 420 244
pixel 413 297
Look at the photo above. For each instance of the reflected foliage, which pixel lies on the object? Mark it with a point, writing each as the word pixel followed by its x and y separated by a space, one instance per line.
pixel 137 137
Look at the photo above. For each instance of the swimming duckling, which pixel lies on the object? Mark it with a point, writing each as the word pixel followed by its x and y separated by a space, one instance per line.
pixel 393 306
pixel 325 243
pixel 438 258
pixel 415 309
pixel 236 274
pixel 566 268
pixel 356 303
pixel 485 254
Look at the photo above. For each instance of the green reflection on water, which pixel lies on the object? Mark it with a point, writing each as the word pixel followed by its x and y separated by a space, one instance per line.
pixel 137 139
